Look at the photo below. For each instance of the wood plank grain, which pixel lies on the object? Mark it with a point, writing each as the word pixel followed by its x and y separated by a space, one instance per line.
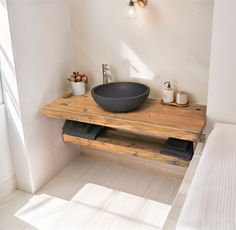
pixel 128 144
pixel 152 118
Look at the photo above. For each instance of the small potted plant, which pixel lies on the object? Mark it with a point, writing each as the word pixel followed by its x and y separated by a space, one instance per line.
pixel 78 82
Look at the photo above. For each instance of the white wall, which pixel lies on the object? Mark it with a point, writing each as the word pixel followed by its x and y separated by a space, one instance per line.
pixel 7 174
pixel 41 37
pixel 7 77
pixel 169 40
pixel 222 82
pixel 1 95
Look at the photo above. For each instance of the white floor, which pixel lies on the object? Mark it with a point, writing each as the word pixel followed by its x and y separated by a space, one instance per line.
pixel 91 194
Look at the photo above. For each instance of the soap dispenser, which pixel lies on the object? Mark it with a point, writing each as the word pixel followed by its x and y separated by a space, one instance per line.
pixel 168 93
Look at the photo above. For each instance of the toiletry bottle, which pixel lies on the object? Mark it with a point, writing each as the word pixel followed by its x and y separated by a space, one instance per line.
pixel 168 93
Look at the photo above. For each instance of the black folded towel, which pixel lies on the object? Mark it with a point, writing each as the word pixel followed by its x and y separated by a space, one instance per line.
pixel 178 148
pixel 84 130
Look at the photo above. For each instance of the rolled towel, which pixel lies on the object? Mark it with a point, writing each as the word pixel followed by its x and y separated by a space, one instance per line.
pixel 84 130
pixel 178 148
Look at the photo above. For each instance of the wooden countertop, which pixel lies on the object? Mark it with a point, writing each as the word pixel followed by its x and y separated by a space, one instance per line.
pixel 152 118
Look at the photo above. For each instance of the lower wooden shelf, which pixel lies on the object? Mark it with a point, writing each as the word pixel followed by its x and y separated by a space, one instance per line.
pixel 124 143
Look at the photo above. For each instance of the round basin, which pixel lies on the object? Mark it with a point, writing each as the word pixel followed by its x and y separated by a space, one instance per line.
pixel 120 96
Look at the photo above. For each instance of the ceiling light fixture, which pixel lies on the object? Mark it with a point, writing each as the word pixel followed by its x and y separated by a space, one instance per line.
pixel 131 9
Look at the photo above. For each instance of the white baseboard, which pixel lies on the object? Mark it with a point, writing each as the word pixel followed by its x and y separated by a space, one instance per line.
pixel 7 187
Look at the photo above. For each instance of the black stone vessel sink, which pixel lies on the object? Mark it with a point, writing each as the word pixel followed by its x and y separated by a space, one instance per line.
pixel 120 96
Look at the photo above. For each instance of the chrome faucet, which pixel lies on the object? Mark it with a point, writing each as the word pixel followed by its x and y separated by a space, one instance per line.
pixel 106 74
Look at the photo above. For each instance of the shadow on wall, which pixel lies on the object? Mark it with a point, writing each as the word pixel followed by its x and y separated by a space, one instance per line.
pixel 11 99
pixel 98 45
pixel 10 93
pixel 167 41
pixel 136 68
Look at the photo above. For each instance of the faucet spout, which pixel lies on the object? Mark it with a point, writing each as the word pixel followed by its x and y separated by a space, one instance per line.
pixel 106 74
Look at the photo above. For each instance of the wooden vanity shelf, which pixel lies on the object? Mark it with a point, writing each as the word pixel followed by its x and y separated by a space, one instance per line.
pixel 152 120
pixel 122 143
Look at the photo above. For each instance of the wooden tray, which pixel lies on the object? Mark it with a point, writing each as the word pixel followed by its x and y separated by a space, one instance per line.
pixel 174 104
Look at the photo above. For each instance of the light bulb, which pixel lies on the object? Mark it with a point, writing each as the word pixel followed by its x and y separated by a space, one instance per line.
pixel 131 10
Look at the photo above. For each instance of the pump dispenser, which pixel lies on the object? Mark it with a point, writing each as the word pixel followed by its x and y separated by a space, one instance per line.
pixel 168 93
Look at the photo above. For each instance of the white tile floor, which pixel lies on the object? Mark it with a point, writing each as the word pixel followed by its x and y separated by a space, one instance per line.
pixel 91 194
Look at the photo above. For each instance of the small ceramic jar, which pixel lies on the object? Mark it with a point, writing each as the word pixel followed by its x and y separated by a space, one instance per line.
pixel 181 98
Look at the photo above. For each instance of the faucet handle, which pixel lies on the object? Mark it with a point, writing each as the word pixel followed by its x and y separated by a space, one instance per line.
pixel 105 67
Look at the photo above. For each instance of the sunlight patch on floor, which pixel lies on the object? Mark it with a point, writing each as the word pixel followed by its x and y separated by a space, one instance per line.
pixel 94 207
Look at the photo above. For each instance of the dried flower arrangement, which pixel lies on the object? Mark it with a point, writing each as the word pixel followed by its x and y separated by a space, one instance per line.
pixel 77 77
